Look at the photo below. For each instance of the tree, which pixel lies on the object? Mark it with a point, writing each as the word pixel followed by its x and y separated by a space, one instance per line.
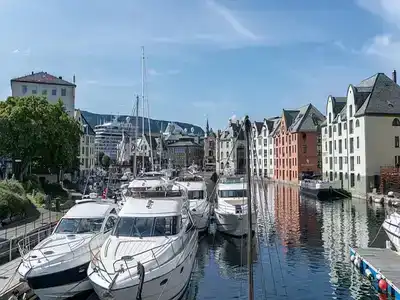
pixel 31 128
pixel 105 161
pixel 100 158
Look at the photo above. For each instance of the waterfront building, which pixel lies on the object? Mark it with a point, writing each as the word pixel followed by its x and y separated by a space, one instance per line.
pixel 262 153
pixel 297 143
pixel 209 149
pixel 87 153
pixel 361 133
pixel 109 135
pixel 47 85
pixel 230 149
pixel 185 152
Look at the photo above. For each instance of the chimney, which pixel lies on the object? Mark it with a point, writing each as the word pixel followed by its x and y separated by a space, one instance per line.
pixel 32 73
pixel 394 76
pixel 59 77
pixel 73 79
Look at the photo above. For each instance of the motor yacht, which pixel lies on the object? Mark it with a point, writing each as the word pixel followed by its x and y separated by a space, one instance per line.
pixel 231 206
pixel 147 181
pixel 151 252
pixel 391 225
pixel 56 267
pixel 197 195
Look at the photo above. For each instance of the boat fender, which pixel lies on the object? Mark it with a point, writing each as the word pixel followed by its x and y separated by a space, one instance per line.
pixel 359 263
pixel 368 273
pixel 352 257
pixel 355 261
pixel 378 276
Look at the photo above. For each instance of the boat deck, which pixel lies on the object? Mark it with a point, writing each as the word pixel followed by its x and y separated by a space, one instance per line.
pixel 380 261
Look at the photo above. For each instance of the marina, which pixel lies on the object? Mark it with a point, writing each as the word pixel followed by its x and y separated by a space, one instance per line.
pixel 298 241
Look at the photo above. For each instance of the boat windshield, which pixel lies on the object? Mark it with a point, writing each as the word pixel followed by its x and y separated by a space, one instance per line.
pixel 232 193
pixel 195 194
pixel 79 225
pixel 146 227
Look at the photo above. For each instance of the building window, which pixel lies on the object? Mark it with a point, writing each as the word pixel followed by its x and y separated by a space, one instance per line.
pixel 63 92
pixel 351 145
pixel 340 163
pixel 352 180
pixel 340 146
pixel 397 160
pixel 357 123
pixel 396 142
pixel 350 110
pixel 358 142
pixel 358 177
pixel 345 126
pixel 358 160
pixel 340 129
pixel 330 147
pixel 351 127
pixel 34 92
pixel 396 122
pixel 335 145
pixel 330 131
pixel 24 89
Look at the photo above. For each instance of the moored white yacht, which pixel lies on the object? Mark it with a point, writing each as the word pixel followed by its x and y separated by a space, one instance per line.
pixel 151 252
pixel 231 207
pixel 391 225
pixel 147 181
pixel 56 267
pixel 197 195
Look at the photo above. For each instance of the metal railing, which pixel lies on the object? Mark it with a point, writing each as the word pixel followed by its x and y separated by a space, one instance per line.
pixel 130 261
pixel 37 230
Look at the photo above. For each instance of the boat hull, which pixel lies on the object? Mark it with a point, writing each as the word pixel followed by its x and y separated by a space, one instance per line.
pixel 393 232
pixel 62 284
pixel 323 194
pixel 202 219
pixel 233 224
pixel 171 285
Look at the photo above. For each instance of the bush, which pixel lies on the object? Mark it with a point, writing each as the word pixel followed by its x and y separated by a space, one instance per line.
pixel 31 183
pixel 38 199
pixel 13 186
pixel 12 204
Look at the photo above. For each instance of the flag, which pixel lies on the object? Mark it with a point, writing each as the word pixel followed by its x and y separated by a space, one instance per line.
pixel 105 193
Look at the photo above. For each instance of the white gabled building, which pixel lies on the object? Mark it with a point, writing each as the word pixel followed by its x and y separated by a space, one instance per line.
pixel 262 154
pixel 230 149
pixel 87 153
pixel 361 133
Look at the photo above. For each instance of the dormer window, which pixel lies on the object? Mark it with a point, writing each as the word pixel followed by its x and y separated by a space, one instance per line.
pixel 396 122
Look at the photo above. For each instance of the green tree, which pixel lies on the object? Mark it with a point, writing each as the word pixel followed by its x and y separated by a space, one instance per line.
pixel 31 128
pixel 105 161
pixel 100 158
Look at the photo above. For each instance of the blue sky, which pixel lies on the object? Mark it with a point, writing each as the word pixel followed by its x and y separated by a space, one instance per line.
pixel 204 58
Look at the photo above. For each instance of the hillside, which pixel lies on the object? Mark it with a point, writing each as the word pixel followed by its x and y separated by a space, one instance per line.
pixel 155 125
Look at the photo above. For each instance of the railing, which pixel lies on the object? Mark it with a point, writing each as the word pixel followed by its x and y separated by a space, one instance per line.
pixel 128 259
pixel 9 248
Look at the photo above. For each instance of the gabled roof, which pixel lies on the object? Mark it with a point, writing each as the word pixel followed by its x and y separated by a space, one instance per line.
pixel 43 78
pixel 338 104
pixel 377 95
pixel 232 132
pixel 305 119
pixel 153 141
pixel 258 126
pixel 271 123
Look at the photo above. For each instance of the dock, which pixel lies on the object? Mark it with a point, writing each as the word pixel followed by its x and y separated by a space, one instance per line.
pixel 381 266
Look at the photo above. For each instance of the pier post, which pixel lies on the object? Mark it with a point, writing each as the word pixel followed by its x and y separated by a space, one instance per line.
pixel 247 126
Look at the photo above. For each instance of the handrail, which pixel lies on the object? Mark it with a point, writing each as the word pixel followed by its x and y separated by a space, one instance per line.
pixel 123 261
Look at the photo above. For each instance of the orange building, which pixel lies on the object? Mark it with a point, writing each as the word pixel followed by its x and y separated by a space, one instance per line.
pixel 297 143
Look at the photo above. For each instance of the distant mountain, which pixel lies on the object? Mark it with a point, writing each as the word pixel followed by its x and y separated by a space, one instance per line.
pixel 155 125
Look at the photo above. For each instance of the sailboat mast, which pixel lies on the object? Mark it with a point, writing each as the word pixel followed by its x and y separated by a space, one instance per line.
pixel 143 137
pixel 247 125
pixel 148 119
pixel 136 137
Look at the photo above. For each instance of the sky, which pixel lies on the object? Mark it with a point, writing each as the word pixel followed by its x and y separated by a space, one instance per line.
pixel 204 58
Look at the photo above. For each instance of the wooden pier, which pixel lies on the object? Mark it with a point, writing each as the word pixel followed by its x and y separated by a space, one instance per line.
pixel 381 266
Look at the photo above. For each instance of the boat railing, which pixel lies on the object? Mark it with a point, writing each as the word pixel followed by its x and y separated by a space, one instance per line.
pixel 47 253
pixel 125 262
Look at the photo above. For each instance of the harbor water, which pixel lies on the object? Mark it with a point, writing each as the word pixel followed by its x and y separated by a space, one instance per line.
pixel 301 250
